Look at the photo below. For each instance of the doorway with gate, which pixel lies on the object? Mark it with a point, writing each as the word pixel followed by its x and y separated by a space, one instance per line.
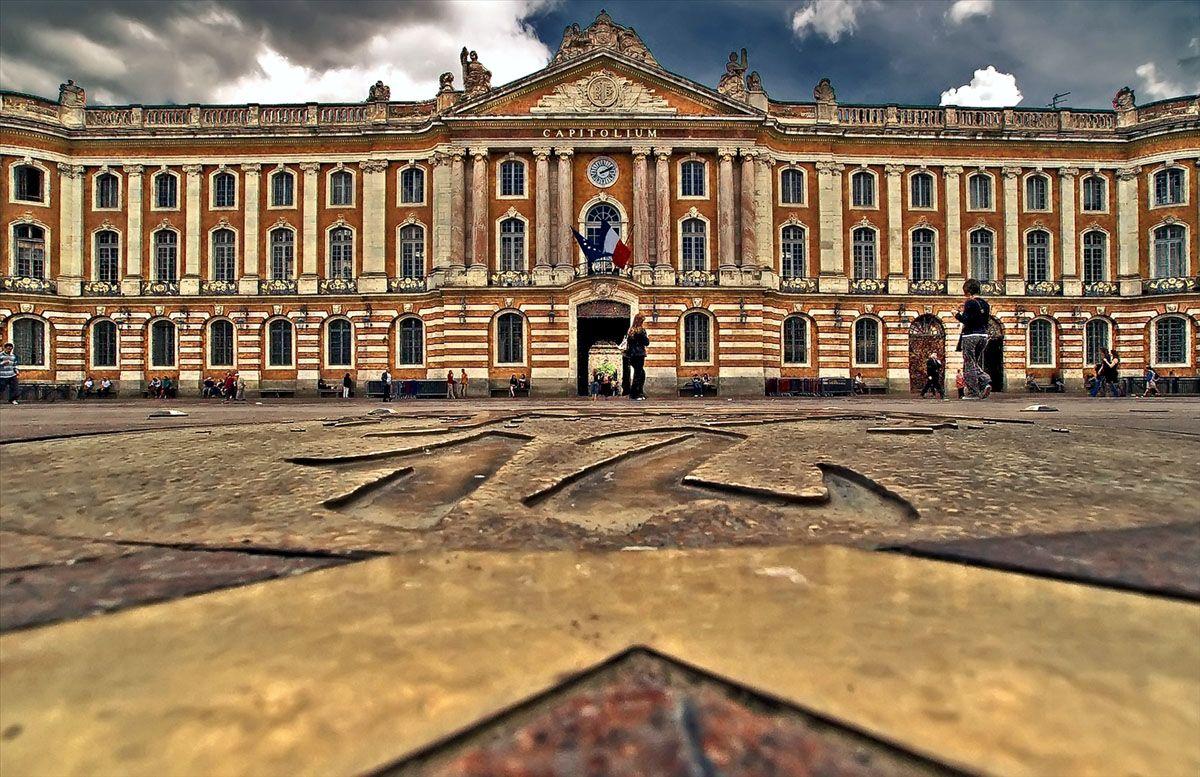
pixel 925 336
pixel 600 326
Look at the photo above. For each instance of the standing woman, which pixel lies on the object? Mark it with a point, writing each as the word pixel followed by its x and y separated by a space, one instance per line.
pixel 974 315
pixel 636 343
pixel 1112 367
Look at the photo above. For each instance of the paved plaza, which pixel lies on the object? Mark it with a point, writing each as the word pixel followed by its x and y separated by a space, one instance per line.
pixel 836 586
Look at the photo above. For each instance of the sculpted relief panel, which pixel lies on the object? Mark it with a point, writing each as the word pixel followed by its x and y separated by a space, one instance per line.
pixel 602 92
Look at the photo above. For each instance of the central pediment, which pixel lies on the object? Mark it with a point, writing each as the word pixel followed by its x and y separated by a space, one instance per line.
pixel 602 91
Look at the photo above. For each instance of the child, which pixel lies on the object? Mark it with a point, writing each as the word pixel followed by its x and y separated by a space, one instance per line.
pixel 960 383
pixel 1151 383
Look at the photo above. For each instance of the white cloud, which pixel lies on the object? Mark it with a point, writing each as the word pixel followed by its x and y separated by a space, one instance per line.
pixel 989 88
pixel 830 19
pixel 962 10
pixel 1156 86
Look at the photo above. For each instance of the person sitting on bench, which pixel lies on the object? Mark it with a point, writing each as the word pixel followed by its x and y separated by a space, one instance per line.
pixel 87 388
pixel 105 387
pixel 697 385
pixel 859 385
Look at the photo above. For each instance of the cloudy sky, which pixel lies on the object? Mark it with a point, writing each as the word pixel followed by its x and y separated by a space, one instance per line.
pixel 966 52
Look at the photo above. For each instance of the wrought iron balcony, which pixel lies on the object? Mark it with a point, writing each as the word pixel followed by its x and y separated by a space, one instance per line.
pixel 218 287
pixel 1100 289
pixel 510 278
pixel 927 286
pixel 160 288
pixel 991 288
pixel 101 288
pixel 696 278
pixel 277 286
pixel 798 285
pixel 868 286
pixel 406 285
pixel 26 284
pixel 337 286
pixel 1178 285
pixel 1043 288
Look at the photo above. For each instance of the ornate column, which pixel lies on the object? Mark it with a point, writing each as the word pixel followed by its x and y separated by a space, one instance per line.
pixel 541 213
pixel 954 262
pixel 309 238
pixel 725 239
pixel 1128 240
pixel 131 284
pixel 70 214
pixel 1072 285
pixel 897 281
pixel 189 283
pixel 458 212
pixel 566 208
pixel 251 176
pixel 764 226
pixel 1014 284
pixel 374 238
pixel 441 217
pixel 477 256
pixel 749 255
pixel 664 268
pixel 833 276
pixel 641 216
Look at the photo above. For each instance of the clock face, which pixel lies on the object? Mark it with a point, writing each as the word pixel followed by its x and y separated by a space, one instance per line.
pixel 602 172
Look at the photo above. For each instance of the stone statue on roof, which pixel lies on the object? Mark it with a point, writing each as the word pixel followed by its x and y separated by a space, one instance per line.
pixel 477 79
pixel 1123 101
pixel 733 83
pixel 754 82
pixel 446 82
pixel 603 33
pixel 823 92
pixel 379 93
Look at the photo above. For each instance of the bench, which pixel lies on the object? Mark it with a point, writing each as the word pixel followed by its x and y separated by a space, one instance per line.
pixel 1136 386
pixel 835 387
pixel 411 388
pixel 325 390
pixel 44 392
pixel 874 388
pixel 172 392
pixel 502 391
pixel 1033 387
pixel 792 387
pixel 686 389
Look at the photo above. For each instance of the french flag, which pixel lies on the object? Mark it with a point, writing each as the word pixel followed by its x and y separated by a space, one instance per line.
pixel 608 243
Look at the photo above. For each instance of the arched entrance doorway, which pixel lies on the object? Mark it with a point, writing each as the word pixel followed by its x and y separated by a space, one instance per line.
pixel 599 327
pixel 993 354
pixel 926 335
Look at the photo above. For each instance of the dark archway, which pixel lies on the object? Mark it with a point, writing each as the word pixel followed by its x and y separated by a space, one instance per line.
pixel 993 354
pixel 926 335
pixel 598 321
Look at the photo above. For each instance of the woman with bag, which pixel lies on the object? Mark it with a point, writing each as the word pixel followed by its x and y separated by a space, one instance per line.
pixel 974 316
pixel 636 342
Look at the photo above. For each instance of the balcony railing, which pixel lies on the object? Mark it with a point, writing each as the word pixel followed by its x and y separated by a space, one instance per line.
pixel 218 287
pixel 930 286
pixel 1178 285
pixel 406 285
pixel 867 286
pixel 26 284
pixel 510 278
pixel 798 285
pixel 160 288
pixel 1100 289
pixel 991 288
pixel 101 288
pixel 1043 288
pixel 337 286
pixel 696 278
pixel 277 286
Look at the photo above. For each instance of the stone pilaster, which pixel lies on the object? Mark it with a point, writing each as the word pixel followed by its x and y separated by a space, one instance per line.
pixel 251 235
pixel 725 227
pixel 954 261
pixel 131 284
pixel 746 213
pixel 309 239
pixel 541 206
pixel 374 238
pixel 1127 232
pixel 1014 284
pixel 458 212
pixel 641 211
pixel 662 212
pixel 833 263
pixel 566 211
pixel 764 227
pixel 477 257
pixel 441 216
pixel 189 283
pixel 1072 285
pixel 897 281
pixel 70 214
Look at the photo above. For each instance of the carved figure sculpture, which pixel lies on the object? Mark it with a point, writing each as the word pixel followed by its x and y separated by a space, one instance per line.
pixel 446 82
pixel 733 83
pixel 823 93
pixel 1123 101
pixel 477 79
pixel 754 82
pixel 379 93
pixel 603 33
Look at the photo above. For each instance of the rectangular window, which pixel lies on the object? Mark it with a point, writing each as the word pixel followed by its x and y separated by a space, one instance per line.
pixel 1168 187
pixel 1093 193
pixel 791 185
pixel 1040 344
pixel 863 190
pixel 283 190
pixel 166 191
pixel 512 179
pixel 921 195
pixel 980 187
pixel 692 179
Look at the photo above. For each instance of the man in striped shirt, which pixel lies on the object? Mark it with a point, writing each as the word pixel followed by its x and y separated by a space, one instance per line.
pixel 8 372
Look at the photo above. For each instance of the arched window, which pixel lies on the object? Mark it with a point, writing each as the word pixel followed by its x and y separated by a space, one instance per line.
pixel 412 251
pixel 1037 193
pixel 283 254
pixel 510 339
pixel 283 189
pixel 162 343
pixel 1168 187
pixel 166 191
pixel 341 253
pixel 1037 256
pixel 862 189
pixel 412 341
pixel 341 187
pixel 866 342
pixel 791 249
pixel 220 343
pixel 340 339
pixel 863 253
pixel 1095 256
pixel 279 343
pixel 693 246
pixel 1041 343
pixel 512 245
pixel 979 188
pixel 104 343
pixel 412 186
pixel 691 179
pixel 1097 334
pixel 108 192
pixel 791 186
pixel 982 249
pixel 29 342
pixel 512 178
pixel 224 186
pixel 29 251
pixel 224 255
pixel 922 255
pixel 593 223
pixel 107 256
pixel 1170 340
pixel 697 338
pixel 795 340
pixel 920 191
pixel 1095 194
pixel 166 255
pixel 29 183
pixel 1169 258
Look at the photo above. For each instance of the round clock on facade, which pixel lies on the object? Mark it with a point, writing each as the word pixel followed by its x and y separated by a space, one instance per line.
pixel 602 172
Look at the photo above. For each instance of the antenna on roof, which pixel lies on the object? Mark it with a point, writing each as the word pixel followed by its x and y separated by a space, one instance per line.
pixel 1057 100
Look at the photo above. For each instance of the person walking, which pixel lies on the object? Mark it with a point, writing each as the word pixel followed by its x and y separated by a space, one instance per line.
pixel 347 384
pixel 636 343
pixel 1099 371
pixel 1151 383
pixel 974 316
pixel 933 376
pixel 9 372
pixel 960 383
pixel 386 379
pixel 450 385
pixel 462 385
pixel 1113 373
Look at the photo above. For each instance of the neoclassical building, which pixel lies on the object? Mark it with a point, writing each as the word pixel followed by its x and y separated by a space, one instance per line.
pixel 770 239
